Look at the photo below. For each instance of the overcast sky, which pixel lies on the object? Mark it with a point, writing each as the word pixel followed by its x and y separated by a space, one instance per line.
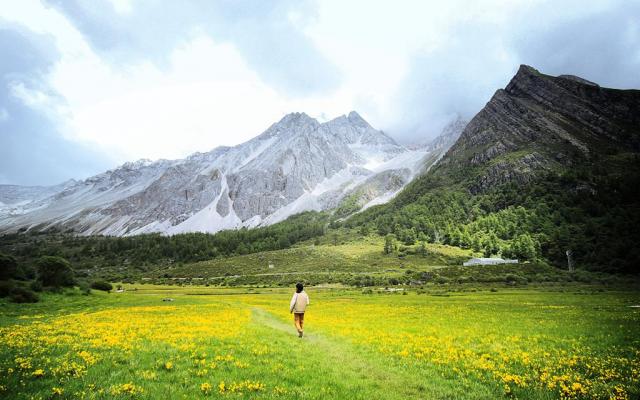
pixel 86 85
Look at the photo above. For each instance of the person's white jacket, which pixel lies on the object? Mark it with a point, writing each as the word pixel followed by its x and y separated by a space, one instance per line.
pixel 299 302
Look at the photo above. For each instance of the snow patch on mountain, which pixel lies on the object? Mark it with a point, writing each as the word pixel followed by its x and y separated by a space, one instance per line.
pixel 297 164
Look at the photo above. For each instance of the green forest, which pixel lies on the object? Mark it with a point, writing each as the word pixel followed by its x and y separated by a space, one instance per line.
pixel 593 212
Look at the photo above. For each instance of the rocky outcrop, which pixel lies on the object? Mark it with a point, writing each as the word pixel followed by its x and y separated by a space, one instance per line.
pixel 539 122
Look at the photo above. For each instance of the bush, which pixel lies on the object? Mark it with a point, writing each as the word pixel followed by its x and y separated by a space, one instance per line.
pixel 5 288
pixel 22 295
pixel 55 272
pixel 514 279
pixel 8 267
pixel 102 285
pixel 36 286
pixel 84 288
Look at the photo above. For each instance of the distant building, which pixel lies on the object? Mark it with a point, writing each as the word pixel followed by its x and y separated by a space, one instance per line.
pixel 488 261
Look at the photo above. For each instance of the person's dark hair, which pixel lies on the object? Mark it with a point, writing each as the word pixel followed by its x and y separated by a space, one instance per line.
pixel 299 287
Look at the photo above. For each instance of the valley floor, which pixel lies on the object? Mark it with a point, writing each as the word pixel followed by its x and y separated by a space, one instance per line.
pixel 572 342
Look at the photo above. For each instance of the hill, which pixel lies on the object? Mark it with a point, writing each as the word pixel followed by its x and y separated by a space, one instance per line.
pixel 549 165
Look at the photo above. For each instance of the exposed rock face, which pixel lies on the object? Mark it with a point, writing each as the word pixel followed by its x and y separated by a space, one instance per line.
pixel 539 122
pixel 297 164
pixel 383 186
pixel 578 79
pixel 380 188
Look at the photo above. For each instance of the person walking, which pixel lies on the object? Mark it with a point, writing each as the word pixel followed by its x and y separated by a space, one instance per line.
pixel 299 303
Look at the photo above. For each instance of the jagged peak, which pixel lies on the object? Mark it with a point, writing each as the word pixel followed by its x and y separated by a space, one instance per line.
pixel 288 123
pixel 528 77
pixel 522 78
pixel 296 118
pixel 525 69
pixel 143 162
pixel 353 118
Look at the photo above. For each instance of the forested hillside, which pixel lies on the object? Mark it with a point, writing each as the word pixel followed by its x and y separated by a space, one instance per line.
pixel 550 165
pixel 150 250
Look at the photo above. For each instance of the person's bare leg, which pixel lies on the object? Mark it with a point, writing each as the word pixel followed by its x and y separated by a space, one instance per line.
pixel 298 324
pixel 301 324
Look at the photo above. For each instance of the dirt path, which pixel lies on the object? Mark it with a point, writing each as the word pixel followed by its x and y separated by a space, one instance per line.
pixel 355 366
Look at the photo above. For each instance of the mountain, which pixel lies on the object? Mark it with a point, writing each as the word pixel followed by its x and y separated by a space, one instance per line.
pixel 297 164
pixel 14 198
pixel 549 165
pixel 384 186
pixel 541 123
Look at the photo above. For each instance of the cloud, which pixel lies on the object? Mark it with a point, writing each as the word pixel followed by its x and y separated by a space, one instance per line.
pixel 266 34
pixel 203 95
pixel 206 96
pixel 478 54
pixel 456 78
pixel 603 46
pixel 32 151
pixel 147 78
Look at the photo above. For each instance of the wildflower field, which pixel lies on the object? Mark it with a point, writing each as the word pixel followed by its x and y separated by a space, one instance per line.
pixel 573 342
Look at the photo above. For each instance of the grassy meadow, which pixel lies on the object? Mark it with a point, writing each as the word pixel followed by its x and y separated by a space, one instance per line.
pixel 574 341
pixel 347 261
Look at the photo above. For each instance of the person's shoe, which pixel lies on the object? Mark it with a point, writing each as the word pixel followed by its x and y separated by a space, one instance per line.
pixel 300 334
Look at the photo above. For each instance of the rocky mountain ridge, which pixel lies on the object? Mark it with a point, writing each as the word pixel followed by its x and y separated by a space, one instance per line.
pixel 541 123
pixel 297 164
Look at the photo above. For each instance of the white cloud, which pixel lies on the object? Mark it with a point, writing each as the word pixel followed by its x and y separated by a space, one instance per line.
pixel 405 66
pixel 122 6
pixel 205 97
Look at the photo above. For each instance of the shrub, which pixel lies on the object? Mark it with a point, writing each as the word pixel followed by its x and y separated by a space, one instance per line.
pixel 514 279
pixel 5 288
pixel 102 285
pixel 22 295
pixel 583 276
pixel 84 287
pixel 8 267
pixel 55 272
pixel 36 286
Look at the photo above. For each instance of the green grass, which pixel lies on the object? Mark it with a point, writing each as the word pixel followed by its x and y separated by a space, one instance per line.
pixel 357 346
pixel 322 263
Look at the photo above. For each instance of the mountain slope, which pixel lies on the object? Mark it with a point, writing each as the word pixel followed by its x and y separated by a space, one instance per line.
pixel 548 165
pixel 386 184
pixel 298 164
pixel 550 123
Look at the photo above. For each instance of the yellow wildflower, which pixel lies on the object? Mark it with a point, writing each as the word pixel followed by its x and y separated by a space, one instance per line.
pixel 205 388
pixel 38 373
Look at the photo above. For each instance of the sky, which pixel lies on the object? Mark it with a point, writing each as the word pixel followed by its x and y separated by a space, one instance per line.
pixel 86 85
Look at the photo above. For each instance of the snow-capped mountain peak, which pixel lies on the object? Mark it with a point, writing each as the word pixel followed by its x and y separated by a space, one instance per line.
pixel 297 164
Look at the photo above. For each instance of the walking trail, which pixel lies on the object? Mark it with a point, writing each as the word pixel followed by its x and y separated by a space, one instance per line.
pixel 356 366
